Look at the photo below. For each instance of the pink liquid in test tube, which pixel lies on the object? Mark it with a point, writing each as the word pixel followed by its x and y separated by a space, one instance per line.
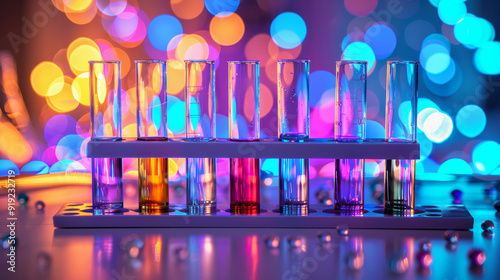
pixel 245 185
pixel 244 125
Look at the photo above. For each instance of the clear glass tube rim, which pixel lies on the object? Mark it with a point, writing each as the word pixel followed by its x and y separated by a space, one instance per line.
pixel 293 60
pixel 243 62
pixel 414 62
pixel 138 61
pixel 199 61
pixel 347 62
pixel 105 61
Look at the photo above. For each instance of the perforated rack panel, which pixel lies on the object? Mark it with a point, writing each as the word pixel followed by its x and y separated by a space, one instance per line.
pixel 425 217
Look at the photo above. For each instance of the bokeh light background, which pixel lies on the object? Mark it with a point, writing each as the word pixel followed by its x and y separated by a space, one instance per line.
pixel 44 121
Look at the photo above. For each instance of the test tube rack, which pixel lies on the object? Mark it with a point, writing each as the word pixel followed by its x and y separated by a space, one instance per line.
pixel 268 148
pixel 320 216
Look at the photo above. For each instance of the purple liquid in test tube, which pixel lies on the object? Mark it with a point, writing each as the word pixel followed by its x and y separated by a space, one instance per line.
pixel 400 126
pixel 350 126
pixel 293 126
pixel 106 125
pixel 107 188
pixel 244 125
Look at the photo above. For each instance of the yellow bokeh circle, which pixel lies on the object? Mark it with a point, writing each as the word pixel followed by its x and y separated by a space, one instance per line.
pixel 192 46
pixel 172 167
pixel 82 16
pixel 130 131
pixel 80 89
pixel 77 5
pixel 132 95
pixel 63 101
pixel 175 76
pixel 80 52
pixel 47 79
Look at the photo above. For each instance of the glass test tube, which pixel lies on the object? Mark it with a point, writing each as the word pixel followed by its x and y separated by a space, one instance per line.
pixel 200 126
pixel 400 126
pixel 350 126
pixel 293 126
pixel 244 125
pixel 152 126
pixel 106 125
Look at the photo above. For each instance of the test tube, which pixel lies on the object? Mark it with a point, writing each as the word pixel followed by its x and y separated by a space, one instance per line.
pixel 350 126
pixel 152 126
pixel 106 125
pixel 293 126
pixel 400 126
pixel 244 125
pixel 200 126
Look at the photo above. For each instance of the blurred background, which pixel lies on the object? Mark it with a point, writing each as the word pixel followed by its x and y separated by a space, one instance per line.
pixel 46 46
